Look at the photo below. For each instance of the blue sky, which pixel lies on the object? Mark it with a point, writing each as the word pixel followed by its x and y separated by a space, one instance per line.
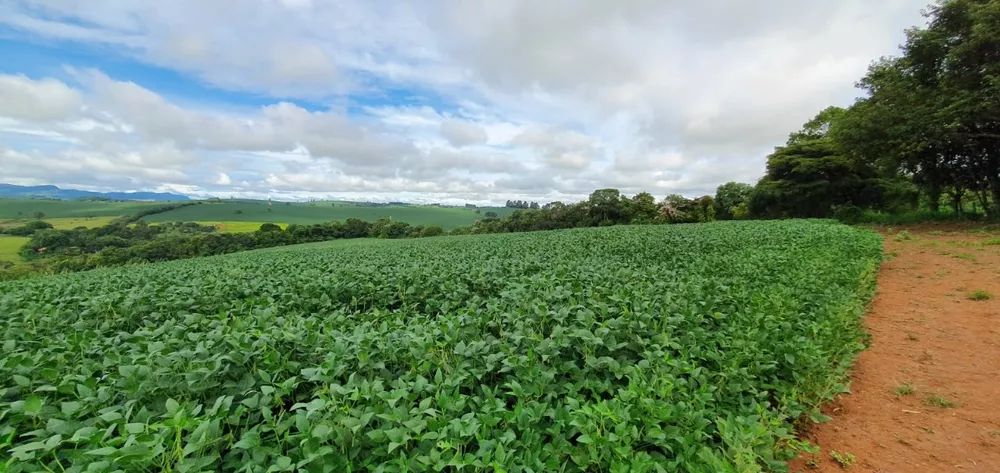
pixel 434 100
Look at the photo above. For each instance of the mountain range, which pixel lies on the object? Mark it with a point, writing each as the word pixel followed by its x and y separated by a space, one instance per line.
pixel 54 192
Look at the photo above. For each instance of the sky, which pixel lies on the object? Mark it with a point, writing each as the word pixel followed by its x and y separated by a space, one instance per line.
pixel 446 101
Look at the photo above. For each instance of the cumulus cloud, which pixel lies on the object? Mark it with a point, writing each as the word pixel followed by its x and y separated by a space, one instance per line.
pixel 37 100
pixel 88 168
pixel 468 97
pixel 461 133
pixel 562 149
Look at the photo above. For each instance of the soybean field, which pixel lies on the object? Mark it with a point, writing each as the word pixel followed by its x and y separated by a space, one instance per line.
pixel 618 349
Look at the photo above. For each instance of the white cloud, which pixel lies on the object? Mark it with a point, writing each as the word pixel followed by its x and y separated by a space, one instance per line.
pixel 461 133
pixel 223 179
pixel 562 149
pixel 474 97
pixel 37 100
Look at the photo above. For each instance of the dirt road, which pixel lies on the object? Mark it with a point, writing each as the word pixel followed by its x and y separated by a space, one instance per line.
pixel 926 394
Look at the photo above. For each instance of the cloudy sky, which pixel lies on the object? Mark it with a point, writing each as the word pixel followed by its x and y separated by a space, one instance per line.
pixel 425 100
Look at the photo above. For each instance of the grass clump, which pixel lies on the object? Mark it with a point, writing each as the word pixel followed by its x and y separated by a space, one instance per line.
pixel 904 389
pixel 966 256
pixel 939 401
pixel 845 460
pixel 980 295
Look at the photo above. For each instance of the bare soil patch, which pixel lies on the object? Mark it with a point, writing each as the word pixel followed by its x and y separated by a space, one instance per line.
pixel 926 394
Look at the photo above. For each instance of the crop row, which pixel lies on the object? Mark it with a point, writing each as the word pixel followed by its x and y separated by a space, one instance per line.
pixel 655 348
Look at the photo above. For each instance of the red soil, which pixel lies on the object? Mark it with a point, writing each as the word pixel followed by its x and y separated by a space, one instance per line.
pixel 927 332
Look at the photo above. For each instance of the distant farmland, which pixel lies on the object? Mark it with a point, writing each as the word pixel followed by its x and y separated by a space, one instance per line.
pixel 317 212
pixel 17 209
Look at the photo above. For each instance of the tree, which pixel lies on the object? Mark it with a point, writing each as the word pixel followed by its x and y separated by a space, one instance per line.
pixel 811 175
pixel 269 227
pixel 705 208
pixel 606 207
pixel 39 215
pixel 491 215
pixel 676 208
pixel 728 199
pixel 643 208
pixel 931 115
pixel 430 231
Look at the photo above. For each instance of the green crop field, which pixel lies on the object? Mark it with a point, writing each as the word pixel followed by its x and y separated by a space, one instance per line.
pixel 63 223
pixel 319 212
pixel 237 227
pixel 14 209
pixel 619 349
pixel 9 246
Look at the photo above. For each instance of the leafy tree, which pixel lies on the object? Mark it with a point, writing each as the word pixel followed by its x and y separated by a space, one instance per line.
pixel 39 215
pixel 431 230
pixel 676 208
pixel 705 208
pixel 269 227
pixel 606 207
pixel 930 115
pixel 643 208
pixel 811 174
pixel 728 199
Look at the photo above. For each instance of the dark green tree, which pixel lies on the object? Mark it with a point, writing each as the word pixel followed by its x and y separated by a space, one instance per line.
pixel 729 198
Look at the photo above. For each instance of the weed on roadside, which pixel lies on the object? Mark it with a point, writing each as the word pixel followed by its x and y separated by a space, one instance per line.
pixel 966 256
pixel 980 295
pixel 904 389
pixel 939 401
pixel 845 460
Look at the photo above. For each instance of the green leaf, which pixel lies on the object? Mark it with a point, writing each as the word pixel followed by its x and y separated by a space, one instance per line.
pixel 33 404
pixel 21 380
pixel 135 428
pixel 102 452
pixel 29 447
pixel 321 431
pixel 70 407
pixel 83 433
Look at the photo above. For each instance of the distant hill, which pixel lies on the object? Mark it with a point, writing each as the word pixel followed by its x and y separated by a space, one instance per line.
pixel 53 192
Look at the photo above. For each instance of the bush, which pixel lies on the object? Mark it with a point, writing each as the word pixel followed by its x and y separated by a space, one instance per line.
pixel 849 214
pixel 431 231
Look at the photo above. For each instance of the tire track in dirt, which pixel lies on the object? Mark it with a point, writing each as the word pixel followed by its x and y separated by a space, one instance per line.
pixel 931 345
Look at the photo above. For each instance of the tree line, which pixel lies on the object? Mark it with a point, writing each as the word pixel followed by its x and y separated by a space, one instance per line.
pixel 521 204
pixel 131 240
pixel 125 241
pixel 925 135
pixel 605 207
